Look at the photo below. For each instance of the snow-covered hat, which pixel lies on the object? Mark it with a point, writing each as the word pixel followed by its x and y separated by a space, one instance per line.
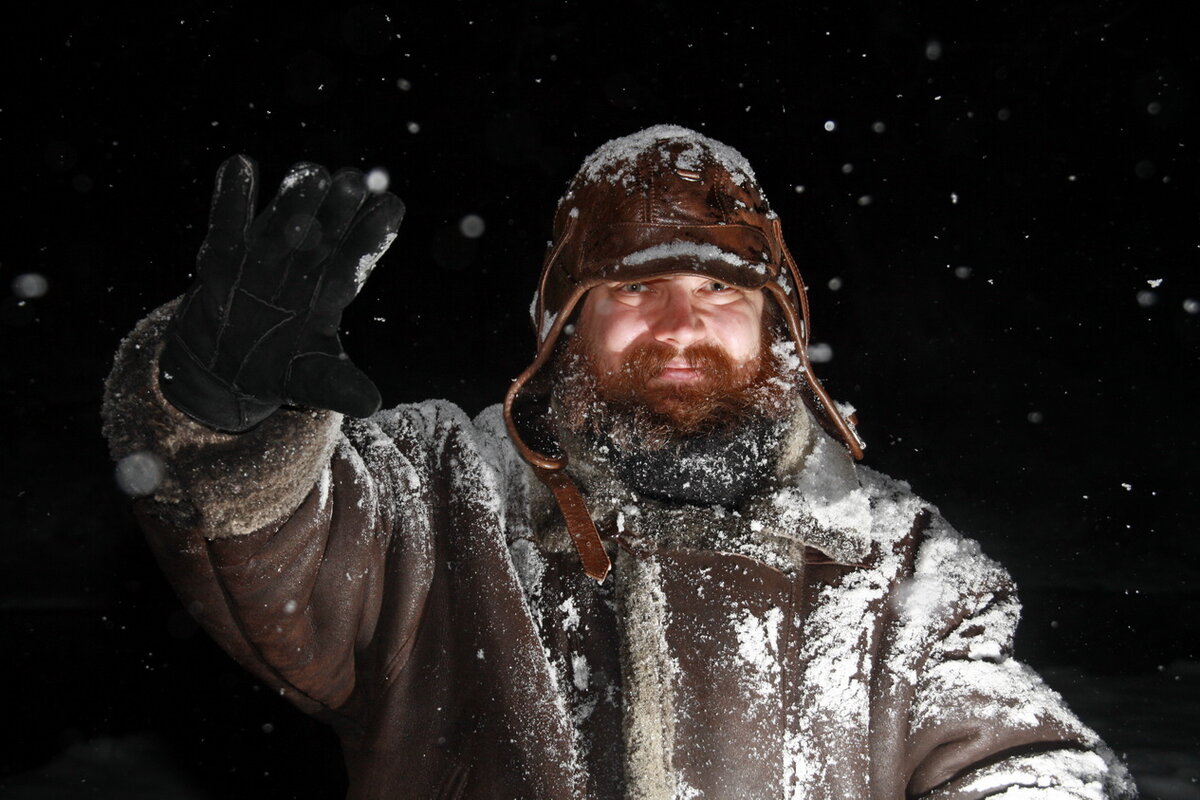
pixel 663 201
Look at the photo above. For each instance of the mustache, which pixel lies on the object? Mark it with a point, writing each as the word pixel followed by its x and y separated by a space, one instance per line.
pixel 646 361
pixel 633 412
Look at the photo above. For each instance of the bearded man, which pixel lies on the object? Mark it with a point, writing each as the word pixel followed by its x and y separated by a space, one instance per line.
pixel 655 572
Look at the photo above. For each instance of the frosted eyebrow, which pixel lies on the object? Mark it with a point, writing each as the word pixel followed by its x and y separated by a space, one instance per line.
pixel 642 282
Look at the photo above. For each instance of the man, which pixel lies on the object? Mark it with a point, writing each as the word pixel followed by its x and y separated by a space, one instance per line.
pixel 655 573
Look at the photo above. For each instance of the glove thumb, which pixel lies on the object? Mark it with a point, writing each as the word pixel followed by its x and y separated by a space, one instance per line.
pixel 320 380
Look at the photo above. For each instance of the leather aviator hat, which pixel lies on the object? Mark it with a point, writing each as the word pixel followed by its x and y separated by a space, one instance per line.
pixel 663 201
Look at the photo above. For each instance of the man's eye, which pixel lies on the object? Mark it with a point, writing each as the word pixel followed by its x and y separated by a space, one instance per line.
pixel 633 288
pixel 717 286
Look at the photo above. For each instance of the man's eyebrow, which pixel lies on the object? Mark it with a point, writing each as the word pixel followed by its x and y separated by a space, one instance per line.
pixel 651 279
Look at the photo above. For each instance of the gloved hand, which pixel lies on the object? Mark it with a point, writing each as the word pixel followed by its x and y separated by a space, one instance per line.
pixel 258 327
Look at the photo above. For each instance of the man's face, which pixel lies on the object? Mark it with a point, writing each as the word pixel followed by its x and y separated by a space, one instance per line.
pixel 668 359
pixel 670 315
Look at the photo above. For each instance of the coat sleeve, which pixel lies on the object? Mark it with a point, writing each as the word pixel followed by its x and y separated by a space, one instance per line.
pixel 982 724
pixel 280 540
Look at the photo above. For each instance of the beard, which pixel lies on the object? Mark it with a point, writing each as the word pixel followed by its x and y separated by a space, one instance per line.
pixel 707 441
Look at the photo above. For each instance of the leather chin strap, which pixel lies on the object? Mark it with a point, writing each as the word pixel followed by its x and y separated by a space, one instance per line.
pixel 551 470
pixel 596 563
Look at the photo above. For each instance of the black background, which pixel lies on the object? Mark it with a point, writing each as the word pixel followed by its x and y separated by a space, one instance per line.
pixel 999 322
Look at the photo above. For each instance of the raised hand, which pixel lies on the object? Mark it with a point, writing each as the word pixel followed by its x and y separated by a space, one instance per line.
pixel 259 326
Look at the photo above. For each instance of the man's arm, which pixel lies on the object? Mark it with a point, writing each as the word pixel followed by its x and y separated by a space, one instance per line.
pixel 982 724
pixel 262 506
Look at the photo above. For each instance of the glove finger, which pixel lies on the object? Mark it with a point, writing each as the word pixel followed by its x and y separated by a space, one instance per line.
pixel 235 191
pixel 345 199
pixel 321 380
pixel 371 233
pixel 289 225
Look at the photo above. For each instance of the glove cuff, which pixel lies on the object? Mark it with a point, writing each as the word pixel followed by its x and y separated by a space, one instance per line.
pixel 220 483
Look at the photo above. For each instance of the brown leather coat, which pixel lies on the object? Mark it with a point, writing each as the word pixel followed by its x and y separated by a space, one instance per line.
pixel 404 579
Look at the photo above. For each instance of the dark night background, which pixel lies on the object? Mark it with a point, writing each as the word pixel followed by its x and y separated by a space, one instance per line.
pixel 999 234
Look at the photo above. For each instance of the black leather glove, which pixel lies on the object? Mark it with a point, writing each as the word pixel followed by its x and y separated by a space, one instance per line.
pixel 258 327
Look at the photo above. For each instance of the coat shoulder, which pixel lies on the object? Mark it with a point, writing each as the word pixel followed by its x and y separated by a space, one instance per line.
pixel 906 526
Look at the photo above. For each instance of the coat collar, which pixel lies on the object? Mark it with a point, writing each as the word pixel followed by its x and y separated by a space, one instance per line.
pixel 817 500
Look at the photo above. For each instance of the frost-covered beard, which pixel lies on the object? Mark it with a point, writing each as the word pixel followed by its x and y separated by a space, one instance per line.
pixel 708 442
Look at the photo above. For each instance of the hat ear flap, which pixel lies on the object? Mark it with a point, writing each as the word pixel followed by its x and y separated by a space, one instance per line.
pixel 555 278
pixel 526 413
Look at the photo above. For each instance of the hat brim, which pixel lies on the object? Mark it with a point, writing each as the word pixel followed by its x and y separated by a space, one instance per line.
pixel 740 275
pixel 733 254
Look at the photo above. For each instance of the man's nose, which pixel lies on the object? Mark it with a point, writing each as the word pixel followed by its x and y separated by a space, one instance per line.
pixel 677 322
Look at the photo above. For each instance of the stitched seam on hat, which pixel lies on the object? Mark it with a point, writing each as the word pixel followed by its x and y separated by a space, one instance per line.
pixel 720 189
pixel 646 180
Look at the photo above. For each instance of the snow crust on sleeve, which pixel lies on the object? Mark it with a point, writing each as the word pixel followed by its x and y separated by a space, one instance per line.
pixel 511 475
pixel 323 486
pixel 368 500
pixel 468 456
pixel 947 628
pixel 956 617
pixel 1005 693
pixel 389 453
pixel 955 588
pixel 952 580
pixel 1074 774
pixel 400 448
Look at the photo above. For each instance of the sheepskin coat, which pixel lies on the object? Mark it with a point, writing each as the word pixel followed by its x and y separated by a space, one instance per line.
pixel 405 579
